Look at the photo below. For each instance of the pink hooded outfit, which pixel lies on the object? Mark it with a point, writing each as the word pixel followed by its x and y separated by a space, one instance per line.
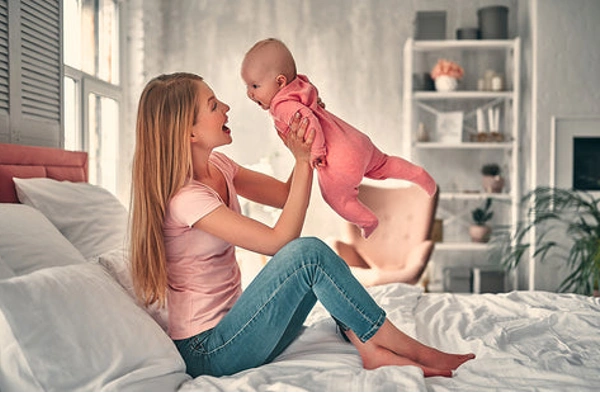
pixel 350 155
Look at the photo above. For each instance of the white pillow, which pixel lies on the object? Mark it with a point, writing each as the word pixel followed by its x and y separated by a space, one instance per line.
pixel 5 271
pixel 89 216
pixel 116 262
pixel 73 328
pixel 28 241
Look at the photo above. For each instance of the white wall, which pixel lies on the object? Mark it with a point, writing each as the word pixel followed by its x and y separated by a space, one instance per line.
pixel 566 66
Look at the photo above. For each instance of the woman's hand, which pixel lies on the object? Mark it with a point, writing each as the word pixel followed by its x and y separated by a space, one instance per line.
pixel 297 140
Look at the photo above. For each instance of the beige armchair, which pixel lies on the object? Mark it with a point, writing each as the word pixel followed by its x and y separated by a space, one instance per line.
pixel 400 247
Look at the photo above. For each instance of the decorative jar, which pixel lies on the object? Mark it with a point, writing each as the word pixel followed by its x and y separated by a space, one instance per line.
pixel 445 83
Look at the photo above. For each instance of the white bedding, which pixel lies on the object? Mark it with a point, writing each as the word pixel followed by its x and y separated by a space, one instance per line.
pixel 68 322
pixel 524 341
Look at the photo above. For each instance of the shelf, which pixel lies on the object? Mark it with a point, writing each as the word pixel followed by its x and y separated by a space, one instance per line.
pixel 461 94
pixel 473 196
pixel 461 246
pixel 435 45
pixel 456 164
pixel 464 145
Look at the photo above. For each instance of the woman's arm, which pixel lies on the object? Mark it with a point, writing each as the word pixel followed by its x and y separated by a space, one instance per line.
pixel 261 188
pixel 254 235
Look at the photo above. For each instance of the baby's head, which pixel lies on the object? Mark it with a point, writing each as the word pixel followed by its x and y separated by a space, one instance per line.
pixel 267 67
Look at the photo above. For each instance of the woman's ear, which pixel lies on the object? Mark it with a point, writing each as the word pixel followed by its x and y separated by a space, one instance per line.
pixel 281 80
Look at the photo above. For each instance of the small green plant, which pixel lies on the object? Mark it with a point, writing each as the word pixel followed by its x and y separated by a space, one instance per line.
pixel 481 215
pixel 491 170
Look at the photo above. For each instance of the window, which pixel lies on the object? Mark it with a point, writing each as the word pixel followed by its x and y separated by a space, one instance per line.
pixel 92 91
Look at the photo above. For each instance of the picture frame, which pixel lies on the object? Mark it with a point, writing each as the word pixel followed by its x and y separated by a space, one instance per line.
pixel 449 127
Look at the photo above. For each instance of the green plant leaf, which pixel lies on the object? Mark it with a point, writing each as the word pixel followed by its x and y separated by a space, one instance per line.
pixel 555 212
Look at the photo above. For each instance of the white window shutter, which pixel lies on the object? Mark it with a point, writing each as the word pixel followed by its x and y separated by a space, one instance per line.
pixel 35 72
pixel 4 77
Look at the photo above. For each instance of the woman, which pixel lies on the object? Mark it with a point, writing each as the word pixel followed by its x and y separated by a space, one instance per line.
pixel 186 222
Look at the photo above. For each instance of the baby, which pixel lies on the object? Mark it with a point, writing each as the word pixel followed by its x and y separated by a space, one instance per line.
pixel 341 154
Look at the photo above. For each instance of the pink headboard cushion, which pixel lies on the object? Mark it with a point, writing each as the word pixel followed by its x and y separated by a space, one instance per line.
pixel 38 162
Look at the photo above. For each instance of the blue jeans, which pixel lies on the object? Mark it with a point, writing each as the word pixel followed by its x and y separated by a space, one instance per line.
pixel 270 313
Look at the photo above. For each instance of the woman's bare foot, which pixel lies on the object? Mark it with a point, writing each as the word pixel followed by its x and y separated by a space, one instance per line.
pixel 375 356
pixel 395 340
pixel 439 359
pixel 390 346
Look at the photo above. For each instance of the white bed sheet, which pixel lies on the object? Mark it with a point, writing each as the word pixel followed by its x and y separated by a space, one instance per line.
pixel 524 341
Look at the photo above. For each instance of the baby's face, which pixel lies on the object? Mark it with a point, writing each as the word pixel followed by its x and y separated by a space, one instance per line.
pixel 261 84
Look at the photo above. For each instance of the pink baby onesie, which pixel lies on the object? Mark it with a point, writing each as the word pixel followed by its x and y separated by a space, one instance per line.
pixel 350 155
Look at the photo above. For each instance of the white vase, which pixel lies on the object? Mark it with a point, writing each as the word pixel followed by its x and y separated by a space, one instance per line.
pixel 445 83
pixel 492 183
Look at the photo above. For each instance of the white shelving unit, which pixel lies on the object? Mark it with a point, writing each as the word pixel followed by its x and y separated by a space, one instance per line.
pixel 456 165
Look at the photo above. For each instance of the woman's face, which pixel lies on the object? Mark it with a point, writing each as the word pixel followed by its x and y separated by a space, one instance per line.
pixel 209 127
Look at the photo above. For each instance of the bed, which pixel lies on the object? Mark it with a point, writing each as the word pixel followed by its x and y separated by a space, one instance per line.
pixel 69 321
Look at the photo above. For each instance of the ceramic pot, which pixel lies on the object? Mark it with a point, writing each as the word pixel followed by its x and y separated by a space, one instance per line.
pixel 492 184
pixel 480 233
pixel 445 83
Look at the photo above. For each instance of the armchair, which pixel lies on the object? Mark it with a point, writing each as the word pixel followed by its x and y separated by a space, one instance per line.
pixel 400 247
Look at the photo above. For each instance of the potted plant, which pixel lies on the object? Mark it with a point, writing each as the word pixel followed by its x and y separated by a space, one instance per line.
pixel 446 74
pixel 479 231
pixel 572 215
pixel 492 179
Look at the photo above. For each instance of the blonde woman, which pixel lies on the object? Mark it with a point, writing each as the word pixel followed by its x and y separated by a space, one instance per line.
pixel 186 222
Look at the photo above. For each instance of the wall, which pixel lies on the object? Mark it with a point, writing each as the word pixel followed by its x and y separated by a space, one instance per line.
pixel 566 83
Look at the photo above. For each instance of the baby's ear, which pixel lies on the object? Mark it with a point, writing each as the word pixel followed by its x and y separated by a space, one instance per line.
pixel 281 80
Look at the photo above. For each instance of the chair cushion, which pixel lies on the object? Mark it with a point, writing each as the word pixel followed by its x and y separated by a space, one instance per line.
pixel 417 258
pixel 405 217
pixel 400 247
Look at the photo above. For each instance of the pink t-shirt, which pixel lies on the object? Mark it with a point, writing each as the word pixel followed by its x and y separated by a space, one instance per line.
pixel 203 274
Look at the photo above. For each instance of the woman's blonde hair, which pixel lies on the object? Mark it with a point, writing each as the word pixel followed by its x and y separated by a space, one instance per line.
pixel 162 163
